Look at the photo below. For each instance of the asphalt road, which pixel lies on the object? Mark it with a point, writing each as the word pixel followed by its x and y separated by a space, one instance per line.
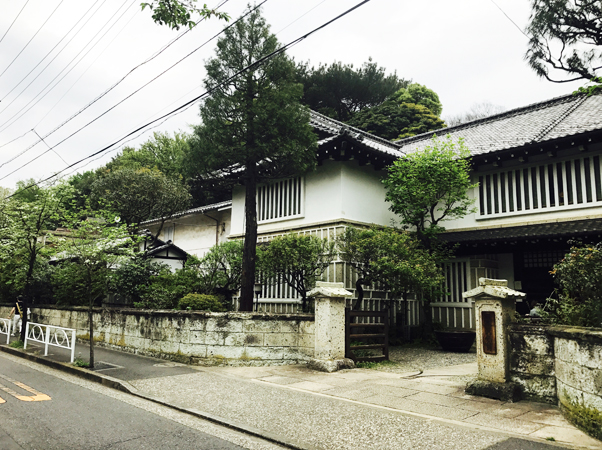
pixel 44 409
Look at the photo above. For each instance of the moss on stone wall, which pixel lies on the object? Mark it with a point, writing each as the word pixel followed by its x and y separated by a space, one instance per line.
pixel 587 419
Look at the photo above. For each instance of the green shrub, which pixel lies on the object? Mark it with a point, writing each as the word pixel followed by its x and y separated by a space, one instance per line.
pixel 201 302
pixel 579 276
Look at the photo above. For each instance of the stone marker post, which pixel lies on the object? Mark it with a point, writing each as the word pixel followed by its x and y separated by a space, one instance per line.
pixel 329 353
pixel 494 310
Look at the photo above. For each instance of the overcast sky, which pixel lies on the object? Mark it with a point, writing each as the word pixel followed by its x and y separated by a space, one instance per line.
pixel 467 51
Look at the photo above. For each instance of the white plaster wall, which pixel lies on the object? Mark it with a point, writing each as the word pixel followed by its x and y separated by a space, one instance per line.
pixel 336 190
pixel 196 233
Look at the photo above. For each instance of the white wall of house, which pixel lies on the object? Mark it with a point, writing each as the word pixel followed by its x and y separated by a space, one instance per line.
pixel 196 233
pixel 552 195
pixel 335 191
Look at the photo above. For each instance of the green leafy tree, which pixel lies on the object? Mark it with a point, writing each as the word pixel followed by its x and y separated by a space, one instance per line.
pixel 339 90
pixel 392 120
pixel 139 195
pixel 221 270
pixel 427 188
pixel 419 95
pixel 133 278
pixel 25 220
pixel 96 246
pixel 254 128
pixel 162 152
pixel 297 260
pixel 179 13
pixel 392 258
pixel 566 37
pixel 431 186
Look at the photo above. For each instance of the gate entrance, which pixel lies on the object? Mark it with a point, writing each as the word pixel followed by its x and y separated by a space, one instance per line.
pixel 367 332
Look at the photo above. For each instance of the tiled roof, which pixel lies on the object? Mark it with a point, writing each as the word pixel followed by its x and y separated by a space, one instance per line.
pixel 335 128
pixel 534 124
pixel 199 210
pixel 573 228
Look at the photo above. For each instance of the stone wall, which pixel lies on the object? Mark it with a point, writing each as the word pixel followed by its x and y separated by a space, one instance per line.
pixel 578 354
pixel 192 337
pixel 532 362
pixel 558 363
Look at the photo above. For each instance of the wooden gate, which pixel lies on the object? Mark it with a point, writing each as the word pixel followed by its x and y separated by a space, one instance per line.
pixel 366 331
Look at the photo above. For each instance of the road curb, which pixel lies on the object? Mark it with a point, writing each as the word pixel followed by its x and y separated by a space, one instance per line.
pixel 126 387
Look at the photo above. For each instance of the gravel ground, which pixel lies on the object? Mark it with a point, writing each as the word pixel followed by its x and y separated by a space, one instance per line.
pixel 411 358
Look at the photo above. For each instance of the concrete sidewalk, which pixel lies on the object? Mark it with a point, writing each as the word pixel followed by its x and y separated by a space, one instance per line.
pixel 351 409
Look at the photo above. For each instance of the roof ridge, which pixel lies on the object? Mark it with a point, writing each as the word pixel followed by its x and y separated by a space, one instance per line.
pixel 354 129
pixel 492 118
pixel 560 118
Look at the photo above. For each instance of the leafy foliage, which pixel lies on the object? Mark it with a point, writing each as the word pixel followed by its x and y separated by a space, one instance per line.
pixel 133 277
pixel 178 13
pixel 393 258
pixel 201 302
pixel 297 260
pixel 139 195
pixel 221 269
pixel 254 127
pixel 579 277
pixel 430 186
pixel 339 90
pixel 565 36
pixel 397 121
pixel 419 95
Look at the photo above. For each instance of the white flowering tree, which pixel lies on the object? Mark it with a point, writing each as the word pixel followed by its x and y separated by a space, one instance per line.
pixel 96 245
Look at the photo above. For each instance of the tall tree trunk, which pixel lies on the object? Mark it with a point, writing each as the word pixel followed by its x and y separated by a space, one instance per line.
pixel 249 255
pixel 360 293
pixel 91 323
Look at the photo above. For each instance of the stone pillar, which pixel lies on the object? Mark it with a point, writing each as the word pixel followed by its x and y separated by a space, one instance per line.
pixel 329 353
pixel 494 311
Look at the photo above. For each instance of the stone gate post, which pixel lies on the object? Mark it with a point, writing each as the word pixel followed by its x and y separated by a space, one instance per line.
pixel 495 305
pixel 329 353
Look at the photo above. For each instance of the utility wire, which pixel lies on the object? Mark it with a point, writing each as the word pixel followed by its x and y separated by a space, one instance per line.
pixel 112 87
pixel 47 54
pixel 120 102
pixel 39 29
pixel 203 95
pixel 55 152
pixel 29 105
pixel 11 25
pixel 508 17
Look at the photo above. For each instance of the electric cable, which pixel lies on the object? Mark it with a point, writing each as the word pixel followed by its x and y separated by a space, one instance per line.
pixel 51 50
pixel 109 89
pixel 200 97
pixel 32 38
pixel 120 102
pixel 35 99
pixel 13 22
pixel 508 17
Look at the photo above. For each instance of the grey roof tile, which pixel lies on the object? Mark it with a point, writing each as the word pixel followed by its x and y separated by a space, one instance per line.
pixel 553 119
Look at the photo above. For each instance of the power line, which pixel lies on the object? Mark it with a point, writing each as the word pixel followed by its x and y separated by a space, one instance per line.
pixel 118 103
pixel 108 90
pixel 13 22
pixel 204 94
pixel 29 105
pixel 39 29
pixel 47 54
pixel 508 17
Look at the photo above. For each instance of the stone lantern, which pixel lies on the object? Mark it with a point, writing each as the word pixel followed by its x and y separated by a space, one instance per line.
pixel 495 305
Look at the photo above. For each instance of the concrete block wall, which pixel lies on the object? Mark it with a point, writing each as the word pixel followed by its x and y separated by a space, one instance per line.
pixel 558 364
pixel 192 337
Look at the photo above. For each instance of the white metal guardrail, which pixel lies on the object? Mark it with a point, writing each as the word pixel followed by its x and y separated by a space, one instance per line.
pixel 50 335
pixel 5 329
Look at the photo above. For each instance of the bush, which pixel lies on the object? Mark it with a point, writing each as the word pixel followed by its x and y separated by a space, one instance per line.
pixel 579 276
pixel 201 302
